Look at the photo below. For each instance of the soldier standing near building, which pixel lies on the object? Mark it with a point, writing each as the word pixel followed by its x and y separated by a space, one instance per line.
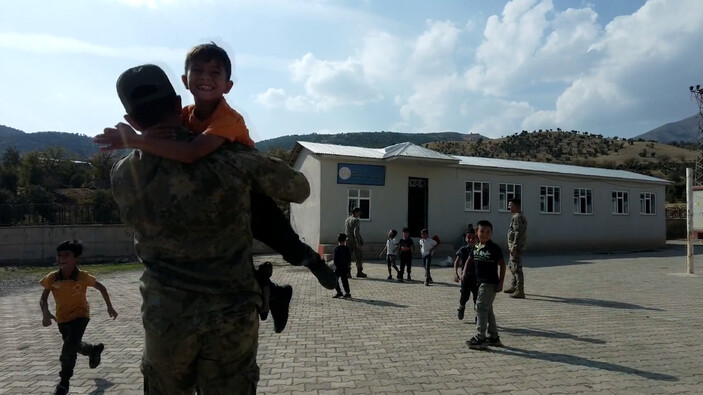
pixel 354 240
pixel 517 239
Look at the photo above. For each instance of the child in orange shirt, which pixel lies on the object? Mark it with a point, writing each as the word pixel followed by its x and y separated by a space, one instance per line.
pixel 68 286
pixel 207 75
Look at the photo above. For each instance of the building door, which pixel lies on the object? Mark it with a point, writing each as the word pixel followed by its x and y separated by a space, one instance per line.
pixel 417 205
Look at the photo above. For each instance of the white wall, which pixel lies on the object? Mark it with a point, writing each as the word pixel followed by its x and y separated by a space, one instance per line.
pixel 447 217
pixel 305 217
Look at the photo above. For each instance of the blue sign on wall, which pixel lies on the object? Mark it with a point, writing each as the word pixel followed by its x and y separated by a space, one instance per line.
pixel 348 173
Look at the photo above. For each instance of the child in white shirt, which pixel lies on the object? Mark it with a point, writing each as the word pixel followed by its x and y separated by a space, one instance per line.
pixel 391 250
pixel 427 246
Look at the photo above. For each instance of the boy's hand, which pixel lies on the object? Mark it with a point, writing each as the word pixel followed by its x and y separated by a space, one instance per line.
pixel 111 311
pixel 118 137
pixel 456 278
pixel 46 321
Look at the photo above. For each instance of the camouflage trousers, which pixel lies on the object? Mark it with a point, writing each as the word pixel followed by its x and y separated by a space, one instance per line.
pixel 356 253
pixel 515 266
pixel 197 340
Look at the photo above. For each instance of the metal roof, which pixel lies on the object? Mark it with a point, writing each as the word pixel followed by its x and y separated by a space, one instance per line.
pixel 410 150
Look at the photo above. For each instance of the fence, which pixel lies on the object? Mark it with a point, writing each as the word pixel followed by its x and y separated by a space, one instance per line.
pixel 58 214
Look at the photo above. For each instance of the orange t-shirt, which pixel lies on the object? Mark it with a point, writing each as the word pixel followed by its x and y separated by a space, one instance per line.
pixel 69 294
pixel 224 122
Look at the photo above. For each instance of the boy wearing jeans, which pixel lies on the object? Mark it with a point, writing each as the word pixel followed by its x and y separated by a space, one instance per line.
pixel 487 257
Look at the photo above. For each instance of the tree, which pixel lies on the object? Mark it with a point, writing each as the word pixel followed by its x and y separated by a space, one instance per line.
pixel 101 164
pixel 11 157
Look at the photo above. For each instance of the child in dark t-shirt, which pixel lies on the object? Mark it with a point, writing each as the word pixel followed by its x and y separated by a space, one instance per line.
pixel 342 263
pixel 490 273
pixel 405 252
pixel 468 283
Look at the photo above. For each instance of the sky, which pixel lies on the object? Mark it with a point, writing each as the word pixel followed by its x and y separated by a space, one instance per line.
pixel 617 68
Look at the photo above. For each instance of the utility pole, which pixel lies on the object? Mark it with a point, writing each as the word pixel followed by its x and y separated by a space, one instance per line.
pixel 697 95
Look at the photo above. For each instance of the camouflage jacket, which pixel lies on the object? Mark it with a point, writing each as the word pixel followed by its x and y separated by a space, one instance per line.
pixel 517 232
pixel 353 230
pixel 192 222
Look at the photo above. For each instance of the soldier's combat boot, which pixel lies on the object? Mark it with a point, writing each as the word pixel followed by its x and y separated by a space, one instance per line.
pixel 519 292
pixel 512 288
pixel 360 274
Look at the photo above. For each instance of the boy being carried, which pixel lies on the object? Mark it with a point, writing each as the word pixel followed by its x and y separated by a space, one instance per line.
pixel 207 75
pixel 68 286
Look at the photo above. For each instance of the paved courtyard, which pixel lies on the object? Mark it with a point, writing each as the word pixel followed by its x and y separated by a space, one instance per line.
pixel 601 323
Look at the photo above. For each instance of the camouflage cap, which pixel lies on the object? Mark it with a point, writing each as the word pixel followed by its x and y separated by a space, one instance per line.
pixel 142 85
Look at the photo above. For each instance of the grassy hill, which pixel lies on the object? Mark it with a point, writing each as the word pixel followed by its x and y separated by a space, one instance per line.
pixel 364 139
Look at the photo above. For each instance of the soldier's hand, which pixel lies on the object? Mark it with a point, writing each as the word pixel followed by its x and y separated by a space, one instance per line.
pixel 115 138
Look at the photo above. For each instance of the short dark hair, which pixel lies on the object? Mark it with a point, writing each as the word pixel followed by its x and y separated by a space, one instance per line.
pixel 74 246
pixel 355 209
pixel 341 237
pixel 208 52
pixel 485 223
pixel 471 231
pixel 515 201
pixel 406 230
pixel 394 232
pixel 147 94
pixel 424 231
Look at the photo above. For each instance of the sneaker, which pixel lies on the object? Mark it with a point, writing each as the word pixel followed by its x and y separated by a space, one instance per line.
pixel 263 315
pixel 430 279
pixel 361 274
pixel 280 303
pixel 94 358
pixel 400 279
pixel 476 343
pixel 325 275
pixel 494 341
pixel 61 389
pixel 460 312
pixel 409 279
pixel 347 296
pixel 338 295
pixel 389 277
pixel 427 282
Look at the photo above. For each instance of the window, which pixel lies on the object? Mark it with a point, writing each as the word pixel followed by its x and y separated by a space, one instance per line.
pixel 550 200
pixel 647 203
pixel 583 201
pixel 507 192
pixel 477 196
pixel 360 198
pixel 621 203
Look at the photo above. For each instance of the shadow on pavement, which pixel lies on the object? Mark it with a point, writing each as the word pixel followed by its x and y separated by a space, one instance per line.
pixel 548 334
pixel 592 302
pixel 381 303
pixel 579 361
pixel 102 385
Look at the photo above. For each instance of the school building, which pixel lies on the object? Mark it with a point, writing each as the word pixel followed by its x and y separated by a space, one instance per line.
pixel 567 207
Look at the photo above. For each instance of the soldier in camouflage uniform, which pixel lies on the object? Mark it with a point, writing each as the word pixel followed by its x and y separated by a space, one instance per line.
pixel 192 231
pixel 517 240
pixel 354 240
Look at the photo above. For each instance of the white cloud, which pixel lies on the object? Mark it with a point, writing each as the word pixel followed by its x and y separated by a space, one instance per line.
pixel 273 97
pixel 640 58
pixel 433 49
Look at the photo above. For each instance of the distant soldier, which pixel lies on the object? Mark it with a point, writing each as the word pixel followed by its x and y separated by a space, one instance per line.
pixel 354 240
pixel 517 240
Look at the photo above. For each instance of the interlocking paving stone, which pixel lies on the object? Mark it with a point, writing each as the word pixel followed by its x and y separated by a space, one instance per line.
pixel 597 323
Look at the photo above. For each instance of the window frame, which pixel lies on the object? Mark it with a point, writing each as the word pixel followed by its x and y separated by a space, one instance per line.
pixel 653 203
pixel 578 199
pixel 555 195
pixel 617 196
pixel 485 186
pixel 365 214
pixel 508 195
